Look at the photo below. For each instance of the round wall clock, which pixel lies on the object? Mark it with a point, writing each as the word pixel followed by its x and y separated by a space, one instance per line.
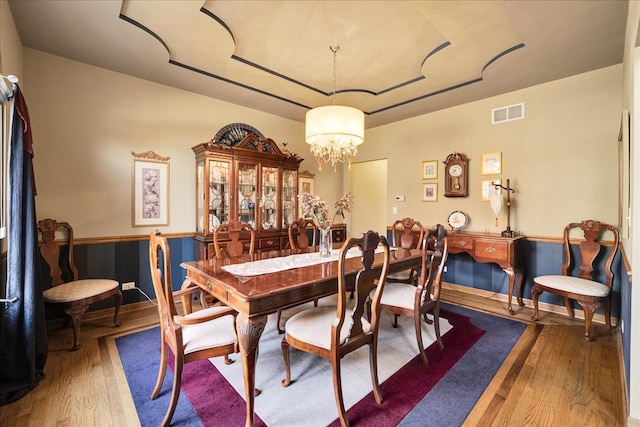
pixel 455 176
pixel 457 220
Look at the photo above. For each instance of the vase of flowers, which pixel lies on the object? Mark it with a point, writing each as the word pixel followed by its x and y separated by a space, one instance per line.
pixel 316 207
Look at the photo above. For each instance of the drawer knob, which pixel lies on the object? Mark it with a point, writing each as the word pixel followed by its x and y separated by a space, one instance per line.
pixel 462 243
pixel 270 242
pixel 490 249
pixel 209 286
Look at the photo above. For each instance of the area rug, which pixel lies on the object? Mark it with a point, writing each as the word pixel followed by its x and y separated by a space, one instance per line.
pixel 442 393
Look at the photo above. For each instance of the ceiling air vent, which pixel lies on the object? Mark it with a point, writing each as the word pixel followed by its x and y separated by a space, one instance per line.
pixel 507 114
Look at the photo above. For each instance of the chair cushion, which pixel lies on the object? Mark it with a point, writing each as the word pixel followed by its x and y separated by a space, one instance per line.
pixel 78 290
pixel 212 333
pixel 398 295
pixel 574 285
pixel 314 326
pixel 400 275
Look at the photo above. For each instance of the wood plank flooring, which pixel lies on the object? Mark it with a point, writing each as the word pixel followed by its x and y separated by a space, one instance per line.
pixel 552 377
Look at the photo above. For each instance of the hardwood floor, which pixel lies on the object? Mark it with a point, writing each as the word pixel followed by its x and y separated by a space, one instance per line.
pixel 551 377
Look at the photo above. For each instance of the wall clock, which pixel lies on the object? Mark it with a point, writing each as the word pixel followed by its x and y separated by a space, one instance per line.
pixel 456 177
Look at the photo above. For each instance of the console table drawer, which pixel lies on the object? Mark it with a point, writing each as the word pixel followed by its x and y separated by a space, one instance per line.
pixel 270 243
pixel 492 250
pixel 461 242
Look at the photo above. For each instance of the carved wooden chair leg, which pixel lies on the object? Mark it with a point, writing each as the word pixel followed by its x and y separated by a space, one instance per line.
pixel 436 326
pixel 589 309
pixel 395 320
pixel 418 326
pixel 567 303
pixel 337 389
pixel 373 361
pixel 75 314
pixel 117 311
pixel 287 366
pixel 175 391
pixel 607 312
pixel 535 294
pixel 279 315
pixel 161 372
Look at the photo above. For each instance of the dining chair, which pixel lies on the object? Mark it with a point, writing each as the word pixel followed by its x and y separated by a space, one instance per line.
pixel 204 334
pixel 66 291
pixel 406 233
pixel 404 299
pixel 333 332
pixel 232 248
pixel 299 242
pixel 298 236
pixel 590 283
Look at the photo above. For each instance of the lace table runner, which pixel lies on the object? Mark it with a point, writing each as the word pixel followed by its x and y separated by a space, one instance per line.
pixel 273 265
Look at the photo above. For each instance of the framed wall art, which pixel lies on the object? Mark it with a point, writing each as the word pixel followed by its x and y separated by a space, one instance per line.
pixel 492 163
pixel 430 192
pixel 487 188
pixel 150 192
pixel 430 169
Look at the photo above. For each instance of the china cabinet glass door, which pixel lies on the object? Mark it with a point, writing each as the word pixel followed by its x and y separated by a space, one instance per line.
pixel 218 194
pixel 269 200
pixel 247 185
pixel 289 180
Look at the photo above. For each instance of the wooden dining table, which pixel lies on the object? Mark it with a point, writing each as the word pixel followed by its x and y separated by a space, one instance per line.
pixel 255 297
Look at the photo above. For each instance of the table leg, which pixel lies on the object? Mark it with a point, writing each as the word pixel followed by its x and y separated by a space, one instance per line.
pixel 519 277
pixel 249 332
pixel 511 275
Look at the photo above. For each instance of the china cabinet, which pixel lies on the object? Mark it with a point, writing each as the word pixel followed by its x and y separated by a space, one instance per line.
pixel 242 175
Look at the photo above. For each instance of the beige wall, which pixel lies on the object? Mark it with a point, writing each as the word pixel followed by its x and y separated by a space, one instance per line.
pixel 561 159
pixel 87 120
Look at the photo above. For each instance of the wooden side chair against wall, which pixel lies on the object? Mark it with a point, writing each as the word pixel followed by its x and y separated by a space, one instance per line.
pixel 233 248
pixel 404 299
pixel 200 335
pixel 592 285
pixel 409 236
pixel 67 292
pixel 299 241
pixel 333 332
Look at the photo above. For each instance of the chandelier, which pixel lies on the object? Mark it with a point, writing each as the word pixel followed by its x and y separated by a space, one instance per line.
pixel 334 131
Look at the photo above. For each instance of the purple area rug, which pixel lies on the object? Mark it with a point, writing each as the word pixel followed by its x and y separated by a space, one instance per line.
pixel 414 395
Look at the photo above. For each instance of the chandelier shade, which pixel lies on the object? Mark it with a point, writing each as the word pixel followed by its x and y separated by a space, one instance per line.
pixel 334 132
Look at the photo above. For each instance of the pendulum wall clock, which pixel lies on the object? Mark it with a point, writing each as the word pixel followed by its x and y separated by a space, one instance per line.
pixel 456 176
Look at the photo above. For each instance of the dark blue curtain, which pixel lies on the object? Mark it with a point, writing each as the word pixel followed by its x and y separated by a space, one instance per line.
pixel 23 333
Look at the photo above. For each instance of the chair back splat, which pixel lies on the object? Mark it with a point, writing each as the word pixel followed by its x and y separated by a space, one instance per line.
pixel 590 282
pixel 406 233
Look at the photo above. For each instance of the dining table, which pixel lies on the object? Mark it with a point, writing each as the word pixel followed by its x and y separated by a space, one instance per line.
pixel 260 284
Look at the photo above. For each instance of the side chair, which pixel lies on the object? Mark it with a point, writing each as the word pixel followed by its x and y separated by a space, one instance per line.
pixel 67 292
pixel 590 285
pixel 406 233
pixel 404 299
pixel 204 334
pixel 333 332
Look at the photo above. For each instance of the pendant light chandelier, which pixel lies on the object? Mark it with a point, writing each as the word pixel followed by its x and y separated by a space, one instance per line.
pixel 334 131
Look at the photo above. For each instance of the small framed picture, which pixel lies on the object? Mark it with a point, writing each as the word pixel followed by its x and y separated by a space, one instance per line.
pixel 488 188
pixel 492 163
pixel 150 191
pixel 430 192
pixel 430 169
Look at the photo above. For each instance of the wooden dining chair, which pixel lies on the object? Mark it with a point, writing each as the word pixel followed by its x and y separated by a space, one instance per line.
pixel 201 335
pixel 404 299
pixel 406 233
pixel 232 248
pixel 298 237
pixel 299 241
pixel 66 291
pixel 333 332
pixel 589 284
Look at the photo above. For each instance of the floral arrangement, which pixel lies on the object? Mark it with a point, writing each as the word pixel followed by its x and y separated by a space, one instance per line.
pixel 316 206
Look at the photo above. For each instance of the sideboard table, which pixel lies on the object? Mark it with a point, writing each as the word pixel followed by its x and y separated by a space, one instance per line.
pixel 493 248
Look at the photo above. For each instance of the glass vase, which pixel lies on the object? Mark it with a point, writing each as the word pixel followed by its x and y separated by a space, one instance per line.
pixel 325 241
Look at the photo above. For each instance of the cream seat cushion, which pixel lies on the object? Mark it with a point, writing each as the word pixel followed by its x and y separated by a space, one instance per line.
pixel 314 326
pixel 78 290
pixel 400 275
pixel 399 295
pixel 575 285
pixel 213 333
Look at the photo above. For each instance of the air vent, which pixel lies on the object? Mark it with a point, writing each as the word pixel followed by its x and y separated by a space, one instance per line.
pixel 507 114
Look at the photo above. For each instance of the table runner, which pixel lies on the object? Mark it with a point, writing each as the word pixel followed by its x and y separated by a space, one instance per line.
pixel 273 265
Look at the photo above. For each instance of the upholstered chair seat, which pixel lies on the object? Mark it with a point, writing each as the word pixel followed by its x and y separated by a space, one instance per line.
pixel 314 326
pixel 574 285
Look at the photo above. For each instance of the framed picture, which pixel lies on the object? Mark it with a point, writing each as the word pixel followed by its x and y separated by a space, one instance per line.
pixel 492 163
pixel 430 192
pixel 306 184
pixel 430 169
pixel 150 191
pixel 487 188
